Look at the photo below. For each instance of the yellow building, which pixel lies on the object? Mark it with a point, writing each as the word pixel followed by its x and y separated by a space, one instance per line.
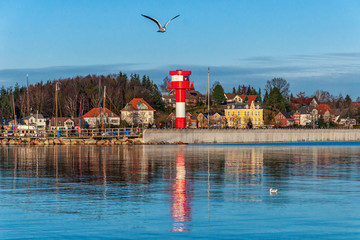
pixel 239 115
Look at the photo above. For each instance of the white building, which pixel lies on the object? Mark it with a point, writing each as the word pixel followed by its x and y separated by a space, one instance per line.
pixel 137 112
pixel 95 117
pixel 36 120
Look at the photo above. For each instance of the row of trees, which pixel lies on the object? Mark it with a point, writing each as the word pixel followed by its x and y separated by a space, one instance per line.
pixel 86 91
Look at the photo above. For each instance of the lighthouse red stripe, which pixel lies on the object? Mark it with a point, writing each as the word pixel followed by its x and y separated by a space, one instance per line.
pixel 180 122
pixel 180 95
pixel 179 72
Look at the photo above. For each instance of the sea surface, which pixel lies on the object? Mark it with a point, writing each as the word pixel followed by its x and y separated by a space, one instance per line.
pixel 181 192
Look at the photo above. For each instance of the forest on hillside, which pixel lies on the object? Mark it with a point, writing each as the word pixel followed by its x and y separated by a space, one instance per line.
pixel 86 91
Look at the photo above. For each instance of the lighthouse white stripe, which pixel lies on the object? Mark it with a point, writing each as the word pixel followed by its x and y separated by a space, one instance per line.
pixel 177 78
pixel 180 109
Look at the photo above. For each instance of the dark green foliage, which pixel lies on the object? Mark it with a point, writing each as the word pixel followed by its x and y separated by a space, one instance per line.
pixel 347 101
pixel 218 93
pixel 249 124
pixel 276 101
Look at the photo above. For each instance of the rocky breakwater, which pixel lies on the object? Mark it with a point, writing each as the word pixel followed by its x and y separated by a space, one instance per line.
pixel 67 141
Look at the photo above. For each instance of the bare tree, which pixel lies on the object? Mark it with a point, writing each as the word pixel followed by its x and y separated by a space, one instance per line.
pixel 163 85
pixel 279 83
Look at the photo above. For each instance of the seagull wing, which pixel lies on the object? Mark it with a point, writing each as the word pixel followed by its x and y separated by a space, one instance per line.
pixel 170 20
pixel 153 19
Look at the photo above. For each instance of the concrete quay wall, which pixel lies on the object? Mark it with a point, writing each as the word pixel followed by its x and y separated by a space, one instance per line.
pixel 198 136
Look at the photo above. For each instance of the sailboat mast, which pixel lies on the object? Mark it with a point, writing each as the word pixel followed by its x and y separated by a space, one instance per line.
pixel 208 90
pixel 103 118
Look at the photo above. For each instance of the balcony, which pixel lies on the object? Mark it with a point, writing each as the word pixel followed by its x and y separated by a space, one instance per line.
pixel 180 85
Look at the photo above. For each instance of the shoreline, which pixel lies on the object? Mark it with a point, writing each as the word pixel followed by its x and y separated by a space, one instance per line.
pixel 198 136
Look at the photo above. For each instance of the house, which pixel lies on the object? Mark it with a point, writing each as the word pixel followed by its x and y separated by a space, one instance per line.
pixel 347 122
pixel 308 115
pixel 137 112
pixel 202 120
pixel 296 117
pixel 236 98
pixel 96 117
pixel 238 115
pixel 171 121
pixel 285 119
pixel 215 119
pixel 64 123
pixel 326 113
pixel 190 121
pixel 36 120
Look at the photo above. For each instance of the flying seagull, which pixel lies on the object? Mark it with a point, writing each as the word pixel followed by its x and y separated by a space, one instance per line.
pixel 161 28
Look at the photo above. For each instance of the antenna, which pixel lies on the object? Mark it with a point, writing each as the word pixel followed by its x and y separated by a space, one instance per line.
pixel 27 94
pixel 208 90
pixel 103 118
pixel 56 105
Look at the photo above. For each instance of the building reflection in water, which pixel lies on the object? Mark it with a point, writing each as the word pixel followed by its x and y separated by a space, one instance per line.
pixel 180 209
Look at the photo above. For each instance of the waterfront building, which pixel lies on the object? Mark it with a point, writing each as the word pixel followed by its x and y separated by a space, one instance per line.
pixel 138 112
pixel 35 120
pixel 96 116
pixel 326 113
pixel 308 115
pixel 190 121
pixel 64 123
pixel 216 120
pixel 239 115
pixel 285 119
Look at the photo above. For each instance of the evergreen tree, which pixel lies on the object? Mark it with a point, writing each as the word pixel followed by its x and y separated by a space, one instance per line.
pixel 218 93
pixel 276 101
pixel 347 100
pixel 159 104
pixel 248 92
pixel 259 94
pixel 238 90
pixel 266 96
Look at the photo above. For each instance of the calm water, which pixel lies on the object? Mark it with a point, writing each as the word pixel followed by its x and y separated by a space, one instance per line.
pixel 178 192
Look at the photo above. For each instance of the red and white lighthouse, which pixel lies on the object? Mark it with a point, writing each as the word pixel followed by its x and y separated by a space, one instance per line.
pixel 180 82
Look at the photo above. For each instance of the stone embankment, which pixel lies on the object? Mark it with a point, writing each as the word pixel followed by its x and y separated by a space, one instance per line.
pixel 211 136
pixel 67 141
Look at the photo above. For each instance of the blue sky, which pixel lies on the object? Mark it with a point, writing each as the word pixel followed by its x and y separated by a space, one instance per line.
pixel 312 44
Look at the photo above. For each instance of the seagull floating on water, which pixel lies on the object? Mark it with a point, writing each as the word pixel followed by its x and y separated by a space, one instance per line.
pixel 273 190
pixel 161 28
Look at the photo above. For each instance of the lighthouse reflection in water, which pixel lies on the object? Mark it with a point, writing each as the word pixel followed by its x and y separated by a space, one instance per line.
pixel 180 210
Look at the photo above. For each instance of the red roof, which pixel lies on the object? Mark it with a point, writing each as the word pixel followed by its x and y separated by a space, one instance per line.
pixel 304 100
pixel 138 104
pixel 95 112
pixel 322 108
pixel 251 98
pixel 357 104
pixel 229 95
